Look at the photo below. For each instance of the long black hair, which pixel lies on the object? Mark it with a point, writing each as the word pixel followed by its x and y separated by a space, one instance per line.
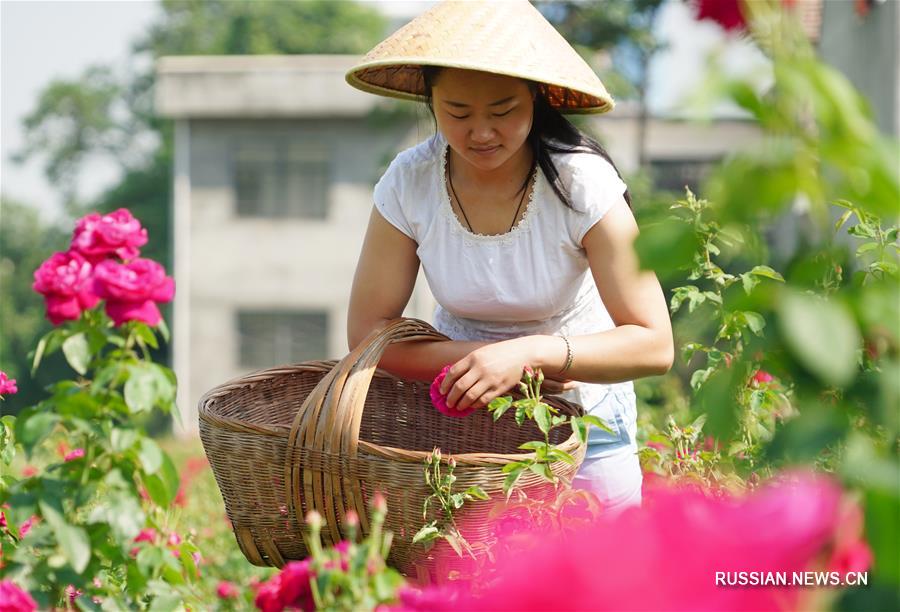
pixel 550 133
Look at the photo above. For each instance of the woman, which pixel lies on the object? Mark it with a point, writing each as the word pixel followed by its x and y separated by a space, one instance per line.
pixel 521 224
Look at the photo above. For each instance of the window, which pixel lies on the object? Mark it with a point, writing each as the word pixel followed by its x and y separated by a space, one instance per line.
pixel 674 174
pixel 270 338
pixel 281 180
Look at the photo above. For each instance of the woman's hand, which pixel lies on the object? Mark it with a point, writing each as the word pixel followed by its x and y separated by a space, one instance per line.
pixel 492 370
pixel 485 373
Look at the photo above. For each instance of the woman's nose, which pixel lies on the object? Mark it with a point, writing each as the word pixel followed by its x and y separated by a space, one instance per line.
pixel 482 131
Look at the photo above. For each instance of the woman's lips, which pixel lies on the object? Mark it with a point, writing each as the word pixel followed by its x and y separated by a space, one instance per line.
pixel 485 152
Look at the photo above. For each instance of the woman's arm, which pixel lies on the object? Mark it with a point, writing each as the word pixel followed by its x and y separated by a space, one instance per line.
pixel 384 280
pixel 640 344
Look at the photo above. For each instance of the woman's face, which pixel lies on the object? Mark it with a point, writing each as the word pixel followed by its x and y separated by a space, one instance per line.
pixel 485 117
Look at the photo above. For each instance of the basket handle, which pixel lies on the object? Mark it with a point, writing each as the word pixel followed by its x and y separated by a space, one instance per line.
pixel 329 422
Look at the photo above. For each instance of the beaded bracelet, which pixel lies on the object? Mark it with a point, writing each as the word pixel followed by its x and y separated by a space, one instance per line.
pixel 569 355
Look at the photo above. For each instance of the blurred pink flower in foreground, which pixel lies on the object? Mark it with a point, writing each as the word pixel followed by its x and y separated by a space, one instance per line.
pixel 14 599
pixel 226 590
pixel 72 455
pixel 7 384
pixel 116 234
pixel 26 525
pixel 132 290
pixel 762 377
pixel 439 400
pixel 65 282
pixel 677 543
pixel 146 535
pixel 289 588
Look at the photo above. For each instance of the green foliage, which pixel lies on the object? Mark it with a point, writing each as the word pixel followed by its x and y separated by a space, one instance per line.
pixel 797 362
pixel 358 579
pixel 544 454
pixel 448 502
pixel 25 241
pixel 84 503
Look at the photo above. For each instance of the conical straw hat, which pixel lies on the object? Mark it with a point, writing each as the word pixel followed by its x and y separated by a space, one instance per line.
pixel 508 37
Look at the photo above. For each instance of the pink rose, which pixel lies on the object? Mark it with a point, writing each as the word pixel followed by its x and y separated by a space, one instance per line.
pixel 295 587
pixel 226 590
pixel 268 596
pixel 118 233
pixel 727 13
pixel 681 539
pixel 146 535
pixel 14 599
pixel 26 526
pixel 762 377
pixel 72 455
pixel 439 400
pixel 2 520
pixel 65 282
pixel 132 290
pixel 7 384
pixel 174 539
pixel 72 594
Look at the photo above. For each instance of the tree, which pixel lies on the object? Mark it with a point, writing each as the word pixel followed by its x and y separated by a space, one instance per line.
pixel 111 115
pixel 625 26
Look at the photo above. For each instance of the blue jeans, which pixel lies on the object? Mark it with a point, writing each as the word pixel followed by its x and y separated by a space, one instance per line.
pixel 611 468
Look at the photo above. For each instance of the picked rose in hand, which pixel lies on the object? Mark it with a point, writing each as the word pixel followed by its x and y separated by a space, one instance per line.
pixel 132 290
pixel 439 400
pixel 65 282
pixel 117 234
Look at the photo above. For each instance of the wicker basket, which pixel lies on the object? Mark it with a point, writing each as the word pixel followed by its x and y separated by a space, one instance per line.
pixel 327 435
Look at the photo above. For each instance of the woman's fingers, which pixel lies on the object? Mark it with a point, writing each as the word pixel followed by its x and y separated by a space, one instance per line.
pixel 472 395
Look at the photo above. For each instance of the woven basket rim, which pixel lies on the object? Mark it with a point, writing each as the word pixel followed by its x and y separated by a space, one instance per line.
pixel 382 452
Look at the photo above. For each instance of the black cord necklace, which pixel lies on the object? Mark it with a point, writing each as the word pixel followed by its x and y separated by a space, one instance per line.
pixel 463 211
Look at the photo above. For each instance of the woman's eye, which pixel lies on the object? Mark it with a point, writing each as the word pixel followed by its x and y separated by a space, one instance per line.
pixel 503 114
pixel 458 117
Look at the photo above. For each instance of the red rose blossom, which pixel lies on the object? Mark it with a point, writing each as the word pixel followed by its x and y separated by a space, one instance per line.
pixel 439 400
pixel 65 282
pixel 116 234
pixel 7 384
pixel 132 290
pixel 14 598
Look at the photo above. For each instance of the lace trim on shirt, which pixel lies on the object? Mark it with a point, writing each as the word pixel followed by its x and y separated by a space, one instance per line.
pixel 458 228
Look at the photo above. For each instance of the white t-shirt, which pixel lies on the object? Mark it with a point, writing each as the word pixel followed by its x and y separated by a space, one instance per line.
pixel 534 279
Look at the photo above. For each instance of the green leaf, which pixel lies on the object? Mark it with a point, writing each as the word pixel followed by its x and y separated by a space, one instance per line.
pixel 454 542
pixel 148 385
pixel 77 352
pixel 509 467
pixel 543 470
pixel 477 492
pixel 511 479
pixel 822 335
pixel 163 485
pixel 533 445
pixel 598 422
pixel 840 222
pixel 560 455
pixel 499 405
pixel 767 272
pixel 579 428
pixel 151 456
pixel 34 427
pixel 457 500
pixel 755 321
pixel 122 439
pixel 666 247
pixel 542 416
pixel 881 510
pixel 73 541
pixel 520 415
pixel 749 282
